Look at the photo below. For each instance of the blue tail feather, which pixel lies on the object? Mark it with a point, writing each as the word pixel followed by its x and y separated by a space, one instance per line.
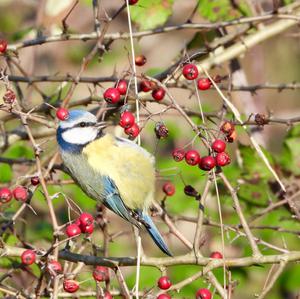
pixel 155 234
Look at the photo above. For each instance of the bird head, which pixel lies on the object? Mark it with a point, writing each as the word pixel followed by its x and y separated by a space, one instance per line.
pixel 79 129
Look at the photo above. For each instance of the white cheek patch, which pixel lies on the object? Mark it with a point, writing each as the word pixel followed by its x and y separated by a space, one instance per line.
pixel 80 135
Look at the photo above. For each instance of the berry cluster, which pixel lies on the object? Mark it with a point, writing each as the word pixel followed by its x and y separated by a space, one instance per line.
pixel 127 121
pixel 190 72
pixel 20 193
pixel 84 224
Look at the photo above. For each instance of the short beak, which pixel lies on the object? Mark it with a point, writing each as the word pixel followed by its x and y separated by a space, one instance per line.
pixel 101 125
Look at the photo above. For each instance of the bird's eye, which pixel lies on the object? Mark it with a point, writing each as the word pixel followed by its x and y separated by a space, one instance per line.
pixel 82 124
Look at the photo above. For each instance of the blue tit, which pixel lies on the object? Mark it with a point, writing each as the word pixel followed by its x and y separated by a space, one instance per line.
pixel 113 170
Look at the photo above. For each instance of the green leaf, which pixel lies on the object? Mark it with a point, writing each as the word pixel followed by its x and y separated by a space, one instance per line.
pixel 151 14
pixel 6 173
pixel 290 158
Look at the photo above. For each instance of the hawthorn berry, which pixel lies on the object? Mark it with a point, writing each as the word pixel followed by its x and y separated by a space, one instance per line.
pixel 223 159
pixel 146 85
pixel 73 230
pixel 158 94
pixel 192 157
pixel 127 120
pixel 203 84
pixel 62 114
pixel 133 131
pixel 227 127
pixel 132 2
pixel 28 257
pixel 219 146
pixel 35 180
pixel 164 283
pixel 190 191
pixel 86 219
pixel 216 255
pixel 3 45
pixel 107 295
pixel 112 95
pixel 207 163
pixel 168 188
pixel 101 273
pixel 203 294
pixel 5 195
pixel 140 60
pixel 161 131
pixel 190 71
pixel 178 154
pixel 9 96
pixel 121 87
pixel 164 296
pixel 88 229
pixel 231 137
pixel 70 285
pixel 54 268
pixel 20 193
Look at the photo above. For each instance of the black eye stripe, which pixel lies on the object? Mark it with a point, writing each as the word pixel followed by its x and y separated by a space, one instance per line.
pixel 84 124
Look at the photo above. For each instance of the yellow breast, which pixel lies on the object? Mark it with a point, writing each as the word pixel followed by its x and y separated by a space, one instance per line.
pixel 131 170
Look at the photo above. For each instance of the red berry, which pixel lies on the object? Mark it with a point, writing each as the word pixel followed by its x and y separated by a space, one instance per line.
pixel 20 193
pixel 192 157
pixel 190 71
pixel 62 114
pixel 54 268
pixel 140 60
pixel 3 45
pixel 73 230
pixel 86 219
pixel 28 257
pixel 227 127
pixel 223 159
pixel 70 286
pixel 203 294
pixel 101 273
pixel 122 87
pixel 219 146
pixel 35 181
pixel 87 229
pixel 216 255
pixel 207 163
pixel 168 188
pixel 146 85
pixel 127 120
pixel 112 95
pixel 204 84
pixel 9 96
pixel 164 283
pixel 107 295
pixel 178 154
pixel 5 195
pixel 158 94
pixel 132 2
pixel 163 296
pixel 133 131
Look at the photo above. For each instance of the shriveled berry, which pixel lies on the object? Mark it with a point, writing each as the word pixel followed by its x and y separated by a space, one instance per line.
pixel 133 131
pixel 147 85
pixel 112 95
pixel 20 193
pixel 192 157
pixel 190 191
pixel 88 229
pixel 164 296
pixel 204 84
pixel 35 180
pixel 207 163
pixel 86 219
pixel 216 255
pixel 5 195
pixel 127 120
pixel 190 71
pixel 101 273
pixel 178 154
pixel 9 96
pixel 70 285
pixel 62 114
pixel 161 131
pixel 158 94
pixel 28 257
pixel 73 230
pixel 140 60
pixel 217 79
pixel 3 45
pixel 168 188
pixel 164 283
pixel 203 294
pixel 219 146
pixel 227 127
pixel 223 159
pixel 122 87
pixel 231 137
pixel 54 268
